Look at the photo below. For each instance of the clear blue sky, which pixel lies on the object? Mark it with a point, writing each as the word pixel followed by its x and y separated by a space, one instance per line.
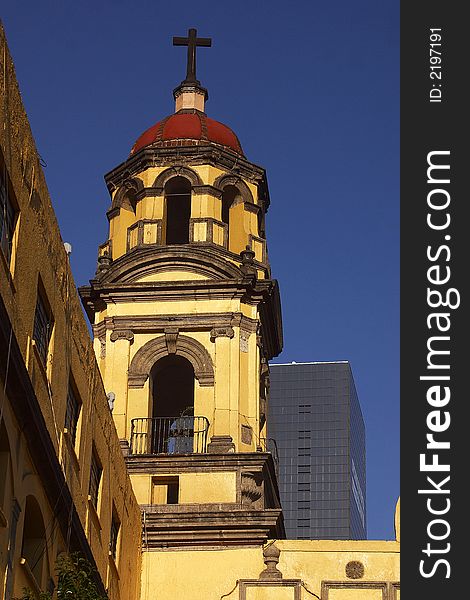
pixel 311 89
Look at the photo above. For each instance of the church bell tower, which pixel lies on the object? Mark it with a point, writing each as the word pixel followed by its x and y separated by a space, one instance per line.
pixel 185 317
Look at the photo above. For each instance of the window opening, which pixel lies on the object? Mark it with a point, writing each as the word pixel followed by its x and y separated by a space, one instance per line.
pixel 43 323
pixel 96 471
pixel 72 412
pixel 178 210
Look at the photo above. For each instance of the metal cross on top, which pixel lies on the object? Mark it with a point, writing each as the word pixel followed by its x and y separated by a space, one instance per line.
pixel 191 42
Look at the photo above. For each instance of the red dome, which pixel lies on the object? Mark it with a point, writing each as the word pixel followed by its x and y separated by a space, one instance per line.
pixel 188 129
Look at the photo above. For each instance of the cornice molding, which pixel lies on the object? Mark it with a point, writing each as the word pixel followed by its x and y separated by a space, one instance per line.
pixel 203 258
pixel 185 157
pixel 182 322
pixel 263 293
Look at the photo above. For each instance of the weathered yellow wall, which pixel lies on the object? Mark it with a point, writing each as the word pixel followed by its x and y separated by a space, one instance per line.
pixel 40 253
pixel 215 573
pixel 194 488
pixel 198 574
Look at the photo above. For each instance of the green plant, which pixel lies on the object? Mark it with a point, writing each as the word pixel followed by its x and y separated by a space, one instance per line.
pixel 29 595
pixel 75 581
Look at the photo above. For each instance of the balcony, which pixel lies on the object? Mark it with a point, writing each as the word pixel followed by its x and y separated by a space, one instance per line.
pixel 169 435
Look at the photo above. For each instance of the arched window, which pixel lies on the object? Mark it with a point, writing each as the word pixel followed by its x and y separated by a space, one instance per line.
pixel 172 385
pixel 129 201
pixel 178 210
pixel 232 215
pixel 228 196
pixel 34 547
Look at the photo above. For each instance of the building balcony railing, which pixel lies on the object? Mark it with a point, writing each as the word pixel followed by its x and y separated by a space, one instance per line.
pixel 169 435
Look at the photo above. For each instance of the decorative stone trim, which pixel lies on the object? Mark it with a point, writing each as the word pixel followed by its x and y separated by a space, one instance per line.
pixel 122 334
pixel 354 569
pixel 253 238
pixel 224 180
pixel 221 332
pixel 209 231
pixel 248 267
pixel 221 444
pixel 177 171
pixel 125 447
pixel 271 554
pixel 99 329
pixel 244 341
pixel 209 526
pixel 247 434
pixel 106 249
pixel 129 184
pixel 209 190
pixel 144 260
pixel 252 489
pixel 262 293
pixel 383 586
pixel 295 584
pixel 149 192
pixel 251 207
pixel 140 238
pixel 157 348
pixel 203 154
pixel 114 211
pixel 184 322
pixel 171 336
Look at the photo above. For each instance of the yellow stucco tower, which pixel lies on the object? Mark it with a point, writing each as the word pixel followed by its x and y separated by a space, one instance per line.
pixel 185 317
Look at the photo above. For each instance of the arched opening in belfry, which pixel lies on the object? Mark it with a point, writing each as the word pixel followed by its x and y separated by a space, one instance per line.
pixel 228 196
pixel 129 201
pixel 172 385
pixel 232 216
pixel 178 210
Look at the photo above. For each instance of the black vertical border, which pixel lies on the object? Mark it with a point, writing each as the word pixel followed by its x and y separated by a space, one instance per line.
pixel 427 127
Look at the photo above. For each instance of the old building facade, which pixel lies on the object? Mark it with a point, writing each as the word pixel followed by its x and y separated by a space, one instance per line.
pixel 185 317
pixel 63 481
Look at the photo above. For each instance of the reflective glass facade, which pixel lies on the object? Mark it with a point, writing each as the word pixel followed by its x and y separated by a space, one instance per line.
pixel 315 418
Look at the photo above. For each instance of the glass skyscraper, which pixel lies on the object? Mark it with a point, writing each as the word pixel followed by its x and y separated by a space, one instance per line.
pixel 315 418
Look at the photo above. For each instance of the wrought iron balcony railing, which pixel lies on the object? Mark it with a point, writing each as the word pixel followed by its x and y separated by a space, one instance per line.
pixel 169 435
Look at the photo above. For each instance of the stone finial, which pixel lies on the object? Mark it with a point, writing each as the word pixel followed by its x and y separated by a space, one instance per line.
pixel 271 558
pixel 248 267
pixel 104 262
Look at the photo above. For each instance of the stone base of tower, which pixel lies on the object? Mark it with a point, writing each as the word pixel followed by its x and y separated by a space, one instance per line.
pixel 209 500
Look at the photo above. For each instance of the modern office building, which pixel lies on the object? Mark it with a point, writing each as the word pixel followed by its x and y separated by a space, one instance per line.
pixel 316 421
